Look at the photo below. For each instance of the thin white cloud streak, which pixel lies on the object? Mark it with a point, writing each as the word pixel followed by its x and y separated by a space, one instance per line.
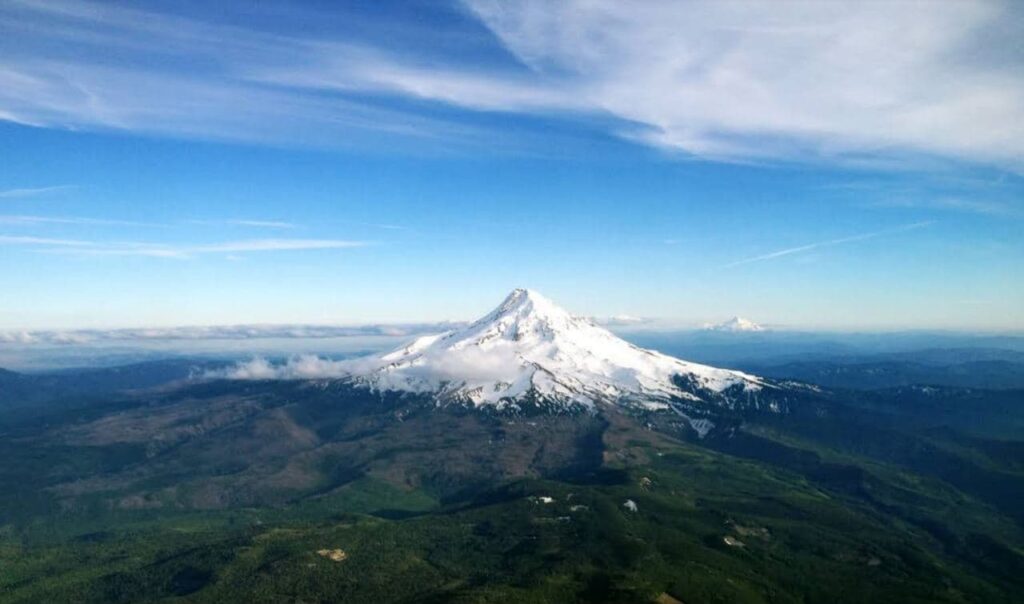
pixel 722 80
pixel 333 68
pixel 955 204
pixel 273 245
pixel 158 250
pixel 36 192
pixel 77 220
pixel 378 225
pixel 232 247
pixel 266 224
pixel 984 196
pixel 24 219
pixel 247 222
pixel 28 240
pixel 830 243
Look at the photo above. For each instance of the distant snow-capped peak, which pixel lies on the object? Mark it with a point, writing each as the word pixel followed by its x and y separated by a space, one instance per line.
pixel 529 348
pixel 735 324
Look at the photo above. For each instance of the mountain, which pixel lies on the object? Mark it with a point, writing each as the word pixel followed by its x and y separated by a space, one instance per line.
pixel 735 324
pixel 529 350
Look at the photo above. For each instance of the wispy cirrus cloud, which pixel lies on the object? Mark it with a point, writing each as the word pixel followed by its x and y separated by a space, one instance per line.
pixel 183 251
pixel 268 245
pixel 264 224
pixel 248 222
pixel 44 241
pixel 990 195
pixel 19 219
pixel 829 243
pixel 33 192
pixel 57 74
pixel 722 80
pixel 386 227
pixel 785 79
pixel 987 207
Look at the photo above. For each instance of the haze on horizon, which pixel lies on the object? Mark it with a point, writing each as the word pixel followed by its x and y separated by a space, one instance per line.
pixel 816 166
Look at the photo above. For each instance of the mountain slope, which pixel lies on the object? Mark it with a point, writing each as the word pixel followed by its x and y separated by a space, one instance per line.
pixel 228 491
pixel 529 349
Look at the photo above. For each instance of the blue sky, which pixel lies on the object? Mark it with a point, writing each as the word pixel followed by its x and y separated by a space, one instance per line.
pixel 809 166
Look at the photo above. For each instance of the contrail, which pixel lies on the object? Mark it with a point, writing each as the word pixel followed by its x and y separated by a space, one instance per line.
pixel 829 243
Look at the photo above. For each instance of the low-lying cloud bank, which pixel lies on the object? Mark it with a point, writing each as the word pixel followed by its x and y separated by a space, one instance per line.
pixel 622 321
pixel 437 367
pixel 301 367
pixel 253 332
pixel 217 332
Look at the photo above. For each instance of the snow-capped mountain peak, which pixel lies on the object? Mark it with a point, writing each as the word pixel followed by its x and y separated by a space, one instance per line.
pixel 735 324
pixel 525 316
pixel 529 348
